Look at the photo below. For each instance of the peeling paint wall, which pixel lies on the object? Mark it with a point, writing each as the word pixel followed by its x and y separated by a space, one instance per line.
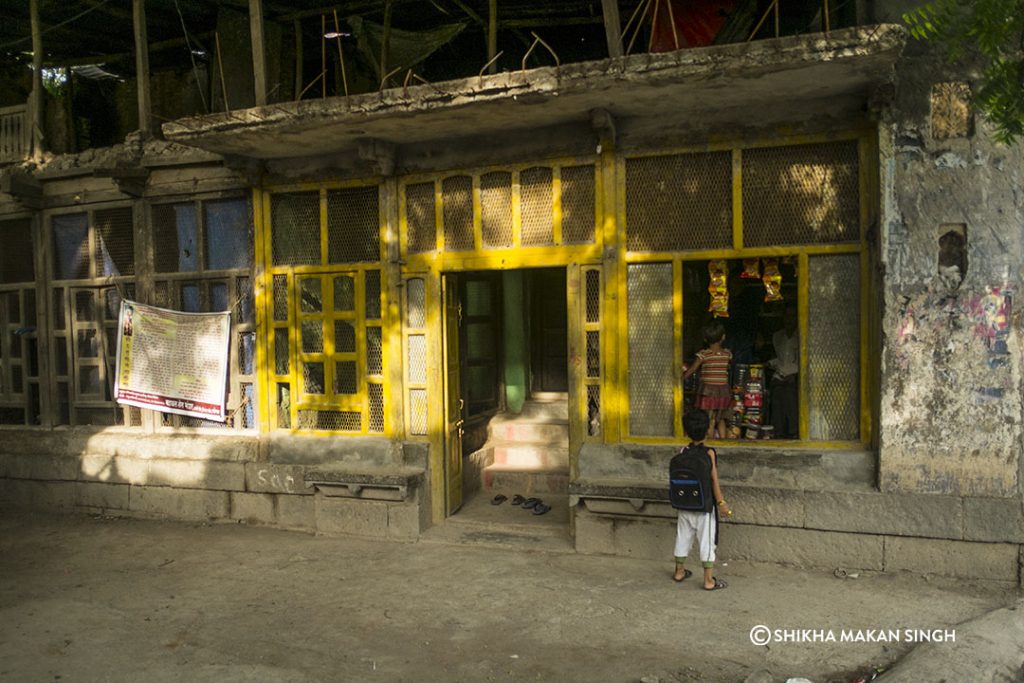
pixel 951 408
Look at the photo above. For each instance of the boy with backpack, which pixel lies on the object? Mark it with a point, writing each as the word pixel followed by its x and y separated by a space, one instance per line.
pixel 696 495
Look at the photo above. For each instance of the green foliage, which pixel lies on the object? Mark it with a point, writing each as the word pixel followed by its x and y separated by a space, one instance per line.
pixel 994 30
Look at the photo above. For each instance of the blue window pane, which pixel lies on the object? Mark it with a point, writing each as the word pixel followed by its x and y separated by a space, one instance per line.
pixel 71 246
pixel 188 236
pixel 219 297
pixel 190 299
pixel 227 234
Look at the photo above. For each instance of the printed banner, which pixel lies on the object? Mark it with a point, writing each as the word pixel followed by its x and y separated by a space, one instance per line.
pixel 173 362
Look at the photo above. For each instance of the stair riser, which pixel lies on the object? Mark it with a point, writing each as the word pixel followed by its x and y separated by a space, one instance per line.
pixel 530 457
pixel 531 432
pixel 526 483
pixel 540 412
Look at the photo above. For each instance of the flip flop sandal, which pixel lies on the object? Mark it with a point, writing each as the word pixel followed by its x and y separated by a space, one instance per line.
pixel 719 584
pixel 530 502
pixel 540 508
pixel 686 574
pixel 517 499
pixel 499 499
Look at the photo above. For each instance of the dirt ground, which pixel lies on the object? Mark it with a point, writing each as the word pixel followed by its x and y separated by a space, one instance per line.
pixel 86 598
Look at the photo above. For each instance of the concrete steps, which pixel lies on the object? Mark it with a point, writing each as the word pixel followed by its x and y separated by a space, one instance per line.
pixel 527 453
pixel 506 526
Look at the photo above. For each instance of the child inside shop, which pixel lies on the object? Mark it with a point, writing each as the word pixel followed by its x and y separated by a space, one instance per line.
pixel 714 363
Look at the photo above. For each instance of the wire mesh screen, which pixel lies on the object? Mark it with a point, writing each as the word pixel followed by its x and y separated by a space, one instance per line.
pixel 115 243
pixel 375 396
pixel 175 238
pixel 593 296
pixel 280 297
pixel 70 246
pixel 295 228
pixel 333 420
pixel 578 217
pixel 457 204
pixel 496 209
pixel 420 217
pixel 833 347
pixel 417 359
pixel 353 225
pixel 802 194
pixel 593 354
pixel 650 323
pixel 372 289
pixel 593 409
pixel 16 264
pixel 679 202
pixel 374 351
pixel 536 207
pixel 415 314
pixel 418 411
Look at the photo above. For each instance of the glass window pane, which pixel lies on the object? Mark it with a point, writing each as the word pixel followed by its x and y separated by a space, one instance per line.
pixel 190 302
pixel 89 380
pixel 227 234
pixel 88 344
pixel 71 246
pixel 219 297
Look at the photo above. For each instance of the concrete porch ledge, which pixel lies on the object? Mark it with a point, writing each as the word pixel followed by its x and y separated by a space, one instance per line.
pixel 993 520
pixel 653 538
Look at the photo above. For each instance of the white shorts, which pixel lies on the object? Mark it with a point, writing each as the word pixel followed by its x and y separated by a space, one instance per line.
pixel 699 524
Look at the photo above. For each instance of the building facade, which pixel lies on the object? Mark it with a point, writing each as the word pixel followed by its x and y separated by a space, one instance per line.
pixel 407 269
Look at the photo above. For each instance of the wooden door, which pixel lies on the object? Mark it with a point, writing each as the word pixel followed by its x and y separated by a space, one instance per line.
pixel 453 403
pixel 548 321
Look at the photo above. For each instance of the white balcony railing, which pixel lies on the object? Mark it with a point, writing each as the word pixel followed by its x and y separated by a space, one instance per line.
pixel 15 133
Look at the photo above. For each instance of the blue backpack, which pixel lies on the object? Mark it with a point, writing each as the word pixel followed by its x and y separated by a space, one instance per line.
pixel 690 480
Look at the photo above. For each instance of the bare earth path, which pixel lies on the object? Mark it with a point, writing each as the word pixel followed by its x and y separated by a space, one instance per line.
pixel 99 599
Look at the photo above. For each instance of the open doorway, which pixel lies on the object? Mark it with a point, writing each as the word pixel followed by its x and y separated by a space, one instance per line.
pixel 506 356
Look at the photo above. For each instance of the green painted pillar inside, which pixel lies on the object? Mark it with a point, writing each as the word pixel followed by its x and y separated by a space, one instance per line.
pixel 517 356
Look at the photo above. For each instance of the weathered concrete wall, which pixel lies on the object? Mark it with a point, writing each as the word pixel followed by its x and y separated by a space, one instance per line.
pixel 951 408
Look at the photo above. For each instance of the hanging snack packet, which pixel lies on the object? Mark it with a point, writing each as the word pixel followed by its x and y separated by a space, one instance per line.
pixel 772 280
pixel 750 269
pixel 718 288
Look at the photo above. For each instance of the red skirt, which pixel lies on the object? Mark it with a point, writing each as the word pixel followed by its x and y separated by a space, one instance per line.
pixel 713 397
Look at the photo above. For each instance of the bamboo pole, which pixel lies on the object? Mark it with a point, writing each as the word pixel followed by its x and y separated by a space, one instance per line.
pixel 492 34
pixel 341 55
pixel 36 98
pixel 259 61
pixel 220 66
pixel 298 57
pixel 385 42
pixel 142 67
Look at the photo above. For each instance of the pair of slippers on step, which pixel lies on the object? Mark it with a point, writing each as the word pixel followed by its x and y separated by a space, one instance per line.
pixel 538 506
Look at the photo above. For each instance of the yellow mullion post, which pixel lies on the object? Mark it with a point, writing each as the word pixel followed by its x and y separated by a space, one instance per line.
pixel 262 283
pixel 864 162
pixel 677 346
pixel 323 226
pixel 438 217
pixel 556 204
pixel 360 324
pixel 394 384
pixel 435 391
pixel 517 216
pixel 576 332
pixel 294 376
pixel 737 198
pixel 616 289
pixel 478 221
pixel 803 299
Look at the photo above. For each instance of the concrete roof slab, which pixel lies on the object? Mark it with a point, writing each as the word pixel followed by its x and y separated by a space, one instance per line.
pixel 717 86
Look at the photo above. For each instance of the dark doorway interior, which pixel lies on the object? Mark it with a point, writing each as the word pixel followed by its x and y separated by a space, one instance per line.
pixel 548 333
